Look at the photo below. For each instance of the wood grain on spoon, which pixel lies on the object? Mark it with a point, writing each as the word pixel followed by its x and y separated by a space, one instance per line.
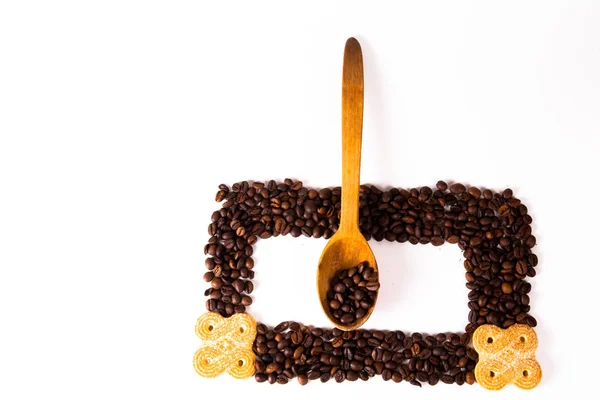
pixel 348 247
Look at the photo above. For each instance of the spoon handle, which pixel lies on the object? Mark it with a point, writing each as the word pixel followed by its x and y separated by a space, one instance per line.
pixel 352 119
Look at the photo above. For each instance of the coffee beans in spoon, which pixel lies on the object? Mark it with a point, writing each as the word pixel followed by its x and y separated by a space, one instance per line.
pixel 352 293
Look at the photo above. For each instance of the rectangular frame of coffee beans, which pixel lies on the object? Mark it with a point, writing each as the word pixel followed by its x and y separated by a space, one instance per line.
pixel 492 229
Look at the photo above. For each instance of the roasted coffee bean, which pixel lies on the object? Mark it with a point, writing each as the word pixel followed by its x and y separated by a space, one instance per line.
pixel 415 349
pixel 458 188
pixel 529 320
pixel 216 283
pixel 325 194
pixel 281 327
pixel 297 337
pixel 470 377
pixel 347 319
pixel 424 354
pixel 351 375
pixel 211 305
pixel 506 288
pixel 433 379
pixel 302 379
pixel 422 376
pixel 386 375
pixel 208 276
pixel 442 186
pixel 475 192
pixel 314 374
pixel 521 267
pixel 507 194
pixel 504 210
pixel 239 285
pixel 272 367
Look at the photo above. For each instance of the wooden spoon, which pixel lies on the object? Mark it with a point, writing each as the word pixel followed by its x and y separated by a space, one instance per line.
pixel 348 247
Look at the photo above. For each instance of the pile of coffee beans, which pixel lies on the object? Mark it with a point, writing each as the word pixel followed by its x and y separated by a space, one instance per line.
pixel 492 229
pixel 353 292
pixel 292 350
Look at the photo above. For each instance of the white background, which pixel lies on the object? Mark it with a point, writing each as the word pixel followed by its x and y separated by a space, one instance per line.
pixel 118 119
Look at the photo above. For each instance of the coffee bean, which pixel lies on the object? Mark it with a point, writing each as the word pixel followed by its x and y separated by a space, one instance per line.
pixel 386 375
pixel 314 374
pixel 297 337
pixel 530 241
pixel 361 312
pixel 351 375
pixel 506 288
pixel 521 267
pixel 347 319
pixel 453 239
pixel 359 294
pixel 504 210
pixel 339 376
pixel 415 349
pixel 281 327
pixel 239 285
pixel 216 283
pixel 475 192
pixel 272 367
pixel 470 377
pixel 335 304
pixel 339 288
pixel 458 188
pixel 425 354
pixel 475 241
pixel 294 326
pixel 460 378
pixel 437 240
pixel 356 365
pixel 302 379
pixel 211 305
pixel 441 185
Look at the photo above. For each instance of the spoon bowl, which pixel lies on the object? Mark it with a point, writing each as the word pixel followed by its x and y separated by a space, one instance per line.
pixel 343 251
pixel 348 247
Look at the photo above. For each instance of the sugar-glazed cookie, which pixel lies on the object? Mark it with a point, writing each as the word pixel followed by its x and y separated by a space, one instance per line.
pixel 506 356
pixel 226 345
